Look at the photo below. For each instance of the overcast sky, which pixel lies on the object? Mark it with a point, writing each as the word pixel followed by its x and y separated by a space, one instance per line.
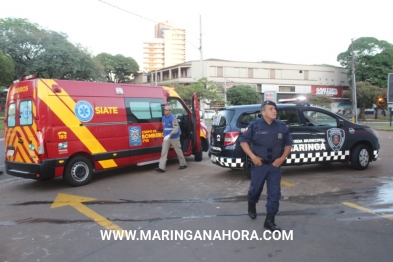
pixel 287 31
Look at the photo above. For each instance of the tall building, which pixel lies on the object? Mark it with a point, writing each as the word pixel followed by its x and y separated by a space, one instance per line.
pixel 168 48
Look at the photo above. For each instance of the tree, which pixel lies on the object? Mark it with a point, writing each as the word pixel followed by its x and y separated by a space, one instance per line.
pixel 118 68
pixel 366 95
pixel 42 52
pixel 373 60
pixel 206 91
pixel 242 95
pixel 319 100
pixel 7 70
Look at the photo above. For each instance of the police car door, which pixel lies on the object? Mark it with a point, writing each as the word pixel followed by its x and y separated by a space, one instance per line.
pixel 325 140
pixel 291 116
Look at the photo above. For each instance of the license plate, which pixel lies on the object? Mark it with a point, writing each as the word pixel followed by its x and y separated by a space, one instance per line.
pixel 10 152
pixel 213 158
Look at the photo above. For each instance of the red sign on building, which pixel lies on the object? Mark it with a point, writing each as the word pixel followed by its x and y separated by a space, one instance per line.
pixel 332 91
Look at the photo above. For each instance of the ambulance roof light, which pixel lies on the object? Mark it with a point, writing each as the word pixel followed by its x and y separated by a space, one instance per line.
pixel 56 88
pixel 29 77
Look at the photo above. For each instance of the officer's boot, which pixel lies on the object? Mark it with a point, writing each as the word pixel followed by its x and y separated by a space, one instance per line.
pixel 269 222
pixel 252 211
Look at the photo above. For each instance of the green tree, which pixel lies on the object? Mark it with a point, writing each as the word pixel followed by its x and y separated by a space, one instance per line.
pixel 366 96
pixel 242 95
pixel 7 70
pixel 373 60
pixel 42 52
pixel 118 68
pixel 319 100
pixel 206 91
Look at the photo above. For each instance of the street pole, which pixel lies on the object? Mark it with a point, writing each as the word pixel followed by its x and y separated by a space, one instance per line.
pixel 225 91
pixel 354 102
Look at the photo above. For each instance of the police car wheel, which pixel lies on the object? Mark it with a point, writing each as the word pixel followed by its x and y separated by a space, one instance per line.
pixel 78 172
pixel 360 157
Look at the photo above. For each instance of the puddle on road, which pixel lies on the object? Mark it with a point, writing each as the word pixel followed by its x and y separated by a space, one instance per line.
pixel 385 193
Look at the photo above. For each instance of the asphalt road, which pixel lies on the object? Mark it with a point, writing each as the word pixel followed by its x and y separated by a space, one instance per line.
pixel 335 214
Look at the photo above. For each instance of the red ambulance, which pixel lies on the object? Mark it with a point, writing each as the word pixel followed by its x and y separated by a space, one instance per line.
pixel 69 128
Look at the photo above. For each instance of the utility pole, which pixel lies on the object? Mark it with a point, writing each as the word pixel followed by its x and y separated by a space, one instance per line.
pixel 225 90
pixel 354 101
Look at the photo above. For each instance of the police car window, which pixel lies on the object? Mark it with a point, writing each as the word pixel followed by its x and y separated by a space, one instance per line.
pixel 316 118
pixel 224 118
pixel 11 115
pixel 289 116
pixel 246 118
pixel 144 110
pixel 25 113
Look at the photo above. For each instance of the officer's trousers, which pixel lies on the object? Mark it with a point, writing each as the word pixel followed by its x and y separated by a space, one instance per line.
pixel 166 144
pixel 270 174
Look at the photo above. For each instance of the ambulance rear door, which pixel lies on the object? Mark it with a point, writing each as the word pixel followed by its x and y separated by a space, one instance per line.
pixel 21 141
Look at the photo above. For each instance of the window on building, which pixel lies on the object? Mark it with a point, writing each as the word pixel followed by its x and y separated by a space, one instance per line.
pixel 272 73
pixel 286 89
pixel 250 73
pixel 220 71
pixel 305 74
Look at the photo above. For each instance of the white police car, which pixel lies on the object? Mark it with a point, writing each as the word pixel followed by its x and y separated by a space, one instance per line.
pixel 319 136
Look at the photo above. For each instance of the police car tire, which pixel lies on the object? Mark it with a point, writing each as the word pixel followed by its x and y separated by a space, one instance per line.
pixel 78 172
pixel 360 157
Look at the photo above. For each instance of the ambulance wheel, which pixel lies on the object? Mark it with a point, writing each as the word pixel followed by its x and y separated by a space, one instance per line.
pixel 198 155
pixel 360 157
pixel 78 172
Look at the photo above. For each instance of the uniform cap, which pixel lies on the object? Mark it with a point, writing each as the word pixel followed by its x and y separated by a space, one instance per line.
pixel 168 108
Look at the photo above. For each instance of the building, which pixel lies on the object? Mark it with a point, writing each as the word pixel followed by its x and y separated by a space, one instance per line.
pixel 168 48
pixel 286 80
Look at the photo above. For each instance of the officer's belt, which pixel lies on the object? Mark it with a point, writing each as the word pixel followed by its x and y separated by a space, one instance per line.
pixel 265 161
pixel 268 162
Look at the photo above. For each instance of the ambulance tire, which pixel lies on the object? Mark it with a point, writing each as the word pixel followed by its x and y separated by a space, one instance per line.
pixel 360 157
pixel 78 172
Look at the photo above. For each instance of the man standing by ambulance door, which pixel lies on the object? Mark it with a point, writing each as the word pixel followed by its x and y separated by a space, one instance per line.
pixel 267 142
pixel 171 137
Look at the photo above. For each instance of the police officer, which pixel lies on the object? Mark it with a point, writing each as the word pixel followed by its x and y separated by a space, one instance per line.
pixel 171 137
pixel 267 142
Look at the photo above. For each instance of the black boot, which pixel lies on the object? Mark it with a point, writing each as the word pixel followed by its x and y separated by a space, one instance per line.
pixel 269 222
pixel 252 211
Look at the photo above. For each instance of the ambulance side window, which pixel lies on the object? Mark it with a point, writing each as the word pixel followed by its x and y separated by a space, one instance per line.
pixel 144 110
pixel 11 115
pixel 25 113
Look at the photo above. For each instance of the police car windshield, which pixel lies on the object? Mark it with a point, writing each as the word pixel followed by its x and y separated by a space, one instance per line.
pixel 224 117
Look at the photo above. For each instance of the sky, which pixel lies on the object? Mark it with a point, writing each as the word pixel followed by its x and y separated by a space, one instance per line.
pixel 296 32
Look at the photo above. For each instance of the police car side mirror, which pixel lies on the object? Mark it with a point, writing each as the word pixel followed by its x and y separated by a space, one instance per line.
pixel 340 123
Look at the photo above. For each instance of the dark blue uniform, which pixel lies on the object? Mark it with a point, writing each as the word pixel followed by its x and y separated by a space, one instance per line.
pixel 267 142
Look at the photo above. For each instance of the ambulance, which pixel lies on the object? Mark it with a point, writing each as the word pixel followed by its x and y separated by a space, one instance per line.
pixel 70 129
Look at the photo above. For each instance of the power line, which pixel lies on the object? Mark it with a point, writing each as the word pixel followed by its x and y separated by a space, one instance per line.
pixel 121 9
